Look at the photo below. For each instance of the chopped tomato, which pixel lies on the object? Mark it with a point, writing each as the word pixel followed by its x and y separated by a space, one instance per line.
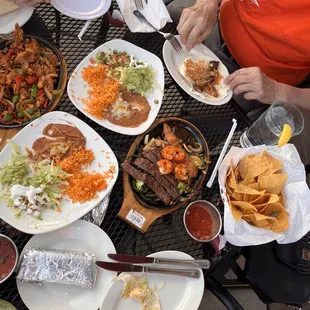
pixel 31 79
pixel 44 105
pixel 40 93
pixel 18 81
pixel 10 53
pixel 92 61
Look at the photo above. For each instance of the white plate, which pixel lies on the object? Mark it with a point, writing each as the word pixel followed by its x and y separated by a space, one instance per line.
pixel 173 60
pixel 179 293
pixel 77 83
pixel 20 16
pixel 82 9
pixel 69 212
pixel 80 236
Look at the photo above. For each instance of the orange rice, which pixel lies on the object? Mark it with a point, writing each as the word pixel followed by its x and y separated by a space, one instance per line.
pixel 79 159
pixel 103 90
pixel 83 186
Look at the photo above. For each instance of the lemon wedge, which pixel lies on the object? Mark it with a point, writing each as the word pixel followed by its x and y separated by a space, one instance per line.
pixel 286 135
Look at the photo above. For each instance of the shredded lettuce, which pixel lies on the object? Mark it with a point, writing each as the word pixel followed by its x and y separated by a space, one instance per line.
pixel 139 80
pixel 44 174
pixel 15 170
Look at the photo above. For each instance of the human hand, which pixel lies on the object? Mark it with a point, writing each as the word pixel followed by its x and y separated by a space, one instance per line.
pixel 31 2
pixel 196 22
pixel 254 84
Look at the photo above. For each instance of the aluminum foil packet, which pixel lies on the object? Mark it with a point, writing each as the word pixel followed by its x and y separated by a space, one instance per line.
pixel 96 215
pixel 53 266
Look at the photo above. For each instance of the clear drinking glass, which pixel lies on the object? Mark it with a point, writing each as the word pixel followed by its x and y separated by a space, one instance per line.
pixel 269 126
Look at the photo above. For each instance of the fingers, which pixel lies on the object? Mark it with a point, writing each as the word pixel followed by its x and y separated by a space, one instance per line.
pixel 185 30
pixel 243 88
pixel 244 71
pixel 184 26
pixel 192 38
pixel 251 96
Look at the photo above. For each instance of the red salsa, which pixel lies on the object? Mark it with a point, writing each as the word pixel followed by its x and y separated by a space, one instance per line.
pixel 198 222
pixel 7 257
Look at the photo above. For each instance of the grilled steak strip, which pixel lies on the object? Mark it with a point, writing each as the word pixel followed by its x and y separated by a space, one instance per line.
pixel 149 181
pixel 154 171
pixel 153 158
pixel 156 152
pixel 149 155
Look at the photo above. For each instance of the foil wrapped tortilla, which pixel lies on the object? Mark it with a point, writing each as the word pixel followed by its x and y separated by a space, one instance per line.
pixel 53 266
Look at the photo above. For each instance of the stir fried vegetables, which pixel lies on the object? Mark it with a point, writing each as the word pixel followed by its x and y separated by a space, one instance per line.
pixel 28 75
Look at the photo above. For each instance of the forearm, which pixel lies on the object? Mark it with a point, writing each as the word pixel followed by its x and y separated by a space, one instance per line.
pixel 297 96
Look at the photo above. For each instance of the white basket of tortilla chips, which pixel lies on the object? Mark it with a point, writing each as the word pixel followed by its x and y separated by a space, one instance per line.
pixel 265 194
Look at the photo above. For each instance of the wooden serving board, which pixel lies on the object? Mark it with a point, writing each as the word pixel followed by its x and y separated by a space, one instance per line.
pixel 8 133
pixel 132 211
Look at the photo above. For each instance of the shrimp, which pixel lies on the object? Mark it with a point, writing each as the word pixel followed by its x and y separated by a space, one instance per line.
pixel 168 152
pixel 180 172
pixel 165 166
pixel 180 155
pixel 170 136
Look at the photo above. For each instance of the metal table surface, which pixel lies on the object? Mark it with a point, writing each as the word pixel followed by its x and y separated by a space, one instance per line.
pixel 167 233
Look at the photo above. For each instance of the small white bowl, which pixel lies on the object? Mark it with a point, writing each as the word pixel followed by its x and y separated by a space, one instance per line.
pixel 16 257
pixel 215 216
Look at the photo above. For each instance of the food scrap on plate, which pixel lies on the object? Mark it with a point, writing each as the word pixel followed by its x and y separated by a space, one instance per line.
pixel 254 191
pixel 206 77
pixel 53 168
pixel 118 87
pixel 28 74
pixel 166 168
pixel 137 288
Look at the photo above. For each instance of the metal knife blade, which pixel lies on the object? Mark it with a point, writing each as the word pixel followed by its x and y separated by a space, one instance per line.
pixel 132 259
pixel 120 267
pixel 198 263
pixel 191 273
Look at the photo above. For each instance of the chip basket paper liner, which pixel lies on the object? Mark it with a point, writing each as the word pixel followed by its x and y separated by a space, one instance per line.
pixel 296 194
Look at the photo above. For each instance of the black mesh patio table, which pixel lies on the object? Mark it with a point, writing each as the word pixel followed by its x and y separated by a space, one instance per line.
pixel 167 233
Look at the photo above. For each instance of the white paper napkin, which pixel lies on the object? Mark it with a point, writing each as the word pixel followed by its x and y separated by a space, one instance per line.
pixel 296 195
pixel 154 11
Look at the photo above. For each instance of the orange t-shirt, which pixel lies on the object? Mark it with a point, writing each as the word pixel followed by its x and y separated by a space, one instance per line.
pixel 274 36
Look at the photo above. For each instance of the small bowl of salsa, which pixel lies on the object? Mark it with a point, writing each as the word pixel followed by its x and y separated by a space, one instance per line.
pixel 202 221
pixel 8 257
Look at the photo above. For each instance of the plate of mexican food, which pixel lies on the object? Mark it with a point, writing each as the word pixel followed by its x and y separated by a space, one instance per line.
pixel 53 172
pixel 200 73
pixel 119 86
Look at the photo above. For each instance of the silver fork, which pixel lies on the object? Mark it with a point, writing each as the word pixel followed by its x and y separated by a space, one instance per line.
pixel 168 36
pixel 139 4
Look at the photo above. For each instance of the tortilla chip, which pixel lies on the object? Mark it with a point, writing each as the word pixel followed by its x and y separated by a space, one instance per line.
pixel 236 213
pixel 237 196
pixel 249 179
pixel 252 165
pixel 244 189
pixel 274 183
pixel 245 207
pixel 277 211
pixel 260 220
pixel 237 174
pixel 255 186
pixel 231 178
pixel 275 164
pixel 265 199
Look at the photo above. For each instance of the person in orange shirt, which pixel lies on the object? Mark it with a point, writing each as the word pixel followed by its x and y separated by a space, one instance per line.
pixel 265 44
